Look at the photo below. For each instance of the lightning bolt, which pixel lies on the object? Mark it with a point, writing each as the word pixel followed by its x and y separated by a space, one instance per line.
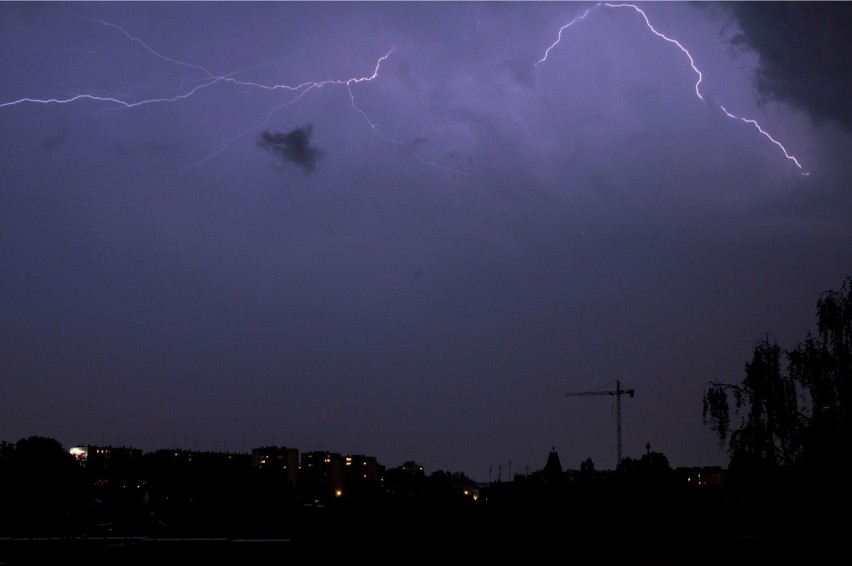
pixel 300 91
pixel 408 145
pixel 208 79
pixel 202 79
pixel 692 64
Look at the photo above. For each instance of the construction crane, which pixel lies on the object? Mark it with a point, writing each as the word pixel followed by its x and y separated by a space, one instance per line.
pixel 618 392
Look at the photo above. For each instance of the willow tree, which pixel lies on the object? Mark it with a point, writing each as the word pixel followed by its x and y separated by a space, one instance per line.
pixel 766 404
pixel 774 428
pixel 822 365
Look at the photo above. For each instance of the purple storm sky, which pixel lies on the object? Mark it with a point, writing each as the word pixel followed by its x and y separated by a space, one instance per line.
pixel 393 229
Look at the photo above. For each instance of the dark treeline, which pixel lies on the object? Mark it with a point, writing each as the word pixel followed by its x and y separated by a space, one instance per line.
pixel 48 492
pixel 644 511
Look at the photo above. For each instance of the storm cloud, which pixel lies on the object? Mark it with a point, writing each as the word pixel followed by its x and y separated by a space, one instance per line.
pixel 293 147
pixel 804 54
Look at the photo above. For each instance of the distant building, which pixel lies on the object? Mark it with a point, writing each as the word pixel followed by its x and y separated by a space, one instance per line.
pixel 106 465
pixel 708 476
pixel 553 467
pixel 407 480
pixel 363 468
pixel 177 475
pixel 179 458
pixel 362 473
pixel 279 459
pixel 321 475
pixel 104 456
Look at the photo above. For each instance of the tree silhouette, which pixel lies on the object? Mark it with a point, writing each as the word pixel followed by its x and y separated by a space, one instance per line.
pixel 769 431
pixel 775 430
pixel 822 364
pixel 44 483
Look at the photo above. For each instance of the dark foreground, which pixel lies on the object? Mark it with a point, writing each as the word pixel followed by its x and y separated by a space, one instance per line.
pixel 697 530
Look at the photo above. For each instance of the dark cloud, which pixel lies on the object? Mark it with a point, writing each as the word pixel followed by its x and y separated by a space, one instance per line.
pixel 293 147
pixel 804 54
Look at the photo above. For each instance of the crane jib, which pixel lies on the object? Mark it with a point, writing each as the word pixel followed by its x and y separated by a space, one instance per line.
pixel 618 392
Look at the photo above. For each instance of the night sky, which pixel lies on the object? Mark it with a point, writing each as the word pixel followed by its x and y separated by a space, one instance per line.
pixel 408 229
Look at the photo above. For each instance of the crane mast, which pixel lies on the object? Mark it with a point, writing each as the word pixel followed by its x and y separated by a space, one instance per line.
pixel 618 392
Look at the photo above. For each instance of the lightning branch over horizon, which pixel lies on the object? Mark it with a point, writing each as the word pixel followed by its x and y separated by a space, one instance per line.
pixel 209 79
pixel 202 78
pixel 692 64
